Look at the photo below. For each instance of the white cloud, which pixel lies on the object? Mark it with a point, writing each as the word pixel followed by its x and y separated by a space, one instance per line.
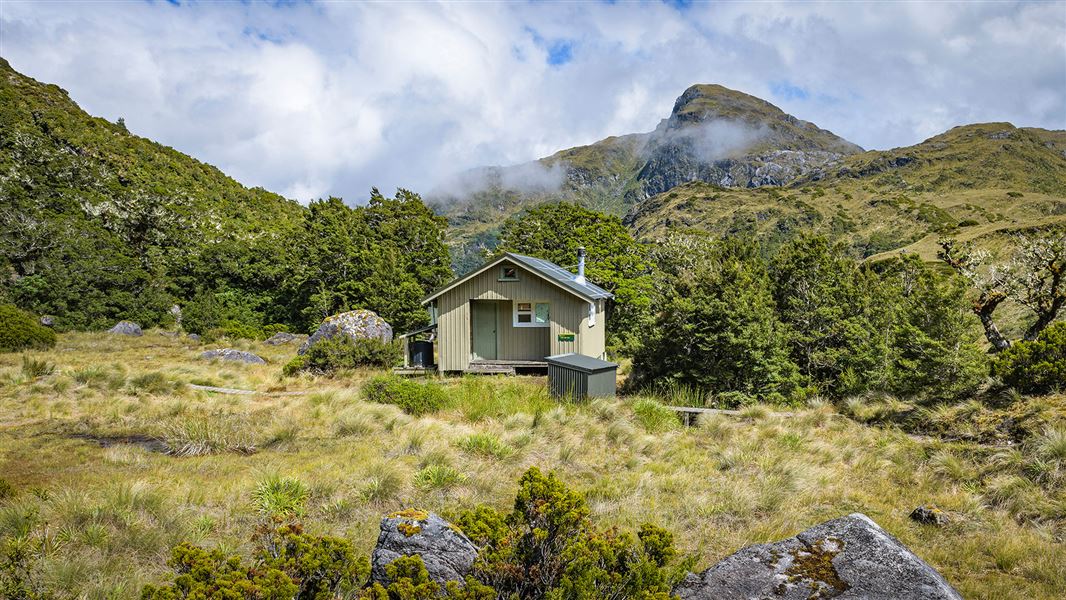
pixel 330 99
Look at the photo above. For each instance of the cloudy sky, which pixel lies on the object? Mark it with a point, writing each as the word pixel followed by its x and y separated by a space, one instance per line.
pixel 311 99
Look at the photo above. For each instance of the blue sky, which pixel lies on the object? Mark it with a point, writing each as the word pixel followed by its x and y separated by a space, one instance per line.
pixel 311 99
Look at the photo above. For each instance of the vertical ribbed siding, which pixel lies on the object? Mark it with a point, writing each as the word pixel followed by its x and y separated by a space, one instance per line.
pixel 569 314
pixel 565 382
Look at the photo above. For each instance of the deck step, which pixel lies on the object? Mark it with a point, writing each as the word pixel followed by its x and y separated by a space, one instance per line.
pixel 477 369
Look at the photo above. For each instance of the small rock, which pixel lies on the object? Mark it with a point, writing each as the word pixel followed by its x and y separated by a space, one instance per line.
pixel 929 515
pixel 447 553
pixel 282 337
pixel 849 558
pixel 233 355
pixel 126 328
pixel 48 320
pixel 194 337
pixel 357 324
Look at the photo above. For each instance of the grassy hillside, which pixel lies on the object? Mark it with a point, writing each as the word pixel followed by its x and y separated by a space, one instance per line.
pixel 85 448
pixel 975 182
pixel 120 220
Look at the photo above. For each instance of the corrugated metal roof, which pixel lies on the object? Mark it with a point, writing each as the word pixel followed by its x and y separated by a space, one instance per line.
pixel 554 272
pixel 580 361
pixel 546 269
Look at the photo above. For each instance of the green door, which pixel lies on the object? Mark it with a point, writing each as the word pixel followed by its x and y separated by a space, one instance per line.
pixel 483 320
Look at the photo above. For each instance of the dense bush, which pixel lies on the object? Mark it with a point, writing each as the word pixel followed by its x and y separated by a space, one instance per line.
pixel 412 397
pixel 329 355
pixel 289 565
pixel 409 580
pixel 718 330
pixel 547 547
pixel 812 320
pixel 20 331
pixel 1035 366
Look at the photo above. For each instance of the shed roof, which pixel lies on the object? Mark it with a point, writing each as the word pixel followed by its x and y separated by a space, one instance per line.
pixel 580 362
pixel 546 269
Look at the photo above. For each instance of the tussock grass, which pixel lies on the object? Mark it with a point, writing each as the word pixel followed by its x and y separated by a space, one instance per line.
pixel 105 509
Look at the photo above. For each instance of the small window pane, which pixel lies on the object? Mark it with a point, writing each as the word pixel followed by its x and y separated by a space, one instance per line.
pixel 524 307
pixel 542 312
pixel 525 317
pixel 509 273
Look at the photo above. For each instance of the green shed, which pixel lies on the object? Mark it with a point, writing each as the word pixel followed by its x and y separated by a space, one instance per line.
pixel 579 376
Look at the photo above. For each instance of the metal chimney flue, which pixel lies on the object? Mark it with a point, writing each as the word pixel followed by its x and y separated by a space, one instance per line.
pixel 581 265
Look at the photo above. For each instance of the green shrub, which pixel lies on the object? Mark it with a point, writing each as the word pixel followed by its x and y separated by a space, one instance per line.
pixel 20 331
pixel 1035 366
pixel 547 547
pixel 409 580
pixel 413 398
pixel 323 567
pixel 329 355
pixel 211 574
pixel 289 565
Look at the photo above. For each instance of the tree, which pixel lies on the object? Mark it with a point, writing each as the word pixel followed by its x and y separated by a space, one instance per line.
pixel 719 330
pixel 933 338
pixel 615 261
pixel 383 257
pixel 829 305
pixel 1034 277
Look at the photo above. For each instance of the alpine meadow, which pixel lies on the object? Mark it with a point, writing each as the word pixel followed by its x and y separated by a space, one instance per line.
pixel 736 356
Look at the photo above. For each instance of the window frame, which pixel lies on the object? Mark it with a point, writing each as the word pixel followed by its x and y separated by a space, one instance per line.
pixel 532 313
pixel 503 271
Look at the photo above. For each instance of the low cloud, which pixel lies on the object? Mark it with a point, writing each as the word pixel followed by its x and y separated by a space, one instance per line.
pixel 709 141
pixel 528 178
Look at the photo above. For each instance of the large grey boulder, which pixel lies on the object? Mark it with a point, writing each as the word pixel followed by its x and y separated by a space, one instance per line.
pixel 849 558
pixel 357 324
pixel 448 554
pixel 233 355
pixel 126 328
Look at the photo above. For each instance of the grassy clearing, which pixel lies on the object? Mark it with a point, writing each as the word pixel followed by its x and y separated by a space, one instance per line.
pixel 106 475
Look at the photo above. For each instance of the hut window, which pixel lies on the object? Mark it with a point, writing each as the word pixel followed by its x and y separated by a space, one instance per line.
pixel 508 273
pixel 592 314
pixel 532 314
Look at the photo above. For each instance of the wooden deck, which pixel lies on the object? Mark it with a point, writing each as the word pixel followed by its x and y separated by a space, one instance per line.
pixel 503 367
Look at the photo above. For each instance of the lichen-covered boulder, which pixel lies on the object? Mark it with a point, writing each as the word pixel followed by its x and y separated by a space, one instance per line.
pixel 447 553
pixel 849 558
pixel 282 337
pixel 357 324
pixel 48 321
pixel 126 328
pixel 233 355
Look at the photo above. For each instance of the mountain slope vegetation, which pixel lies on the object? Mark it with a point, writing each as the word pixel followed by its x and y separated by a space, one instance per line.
pixel 728 163
pixel 100 225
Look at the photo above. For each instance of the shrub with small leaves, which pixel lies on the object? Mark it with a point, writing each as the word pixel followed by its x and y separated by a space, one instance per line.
pixel 413 398
pixel 327 356
pixel 547 547
pixel 20 331
pixel 322 567
pixel 211 574
pixel 409 580
pixel 1035 366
